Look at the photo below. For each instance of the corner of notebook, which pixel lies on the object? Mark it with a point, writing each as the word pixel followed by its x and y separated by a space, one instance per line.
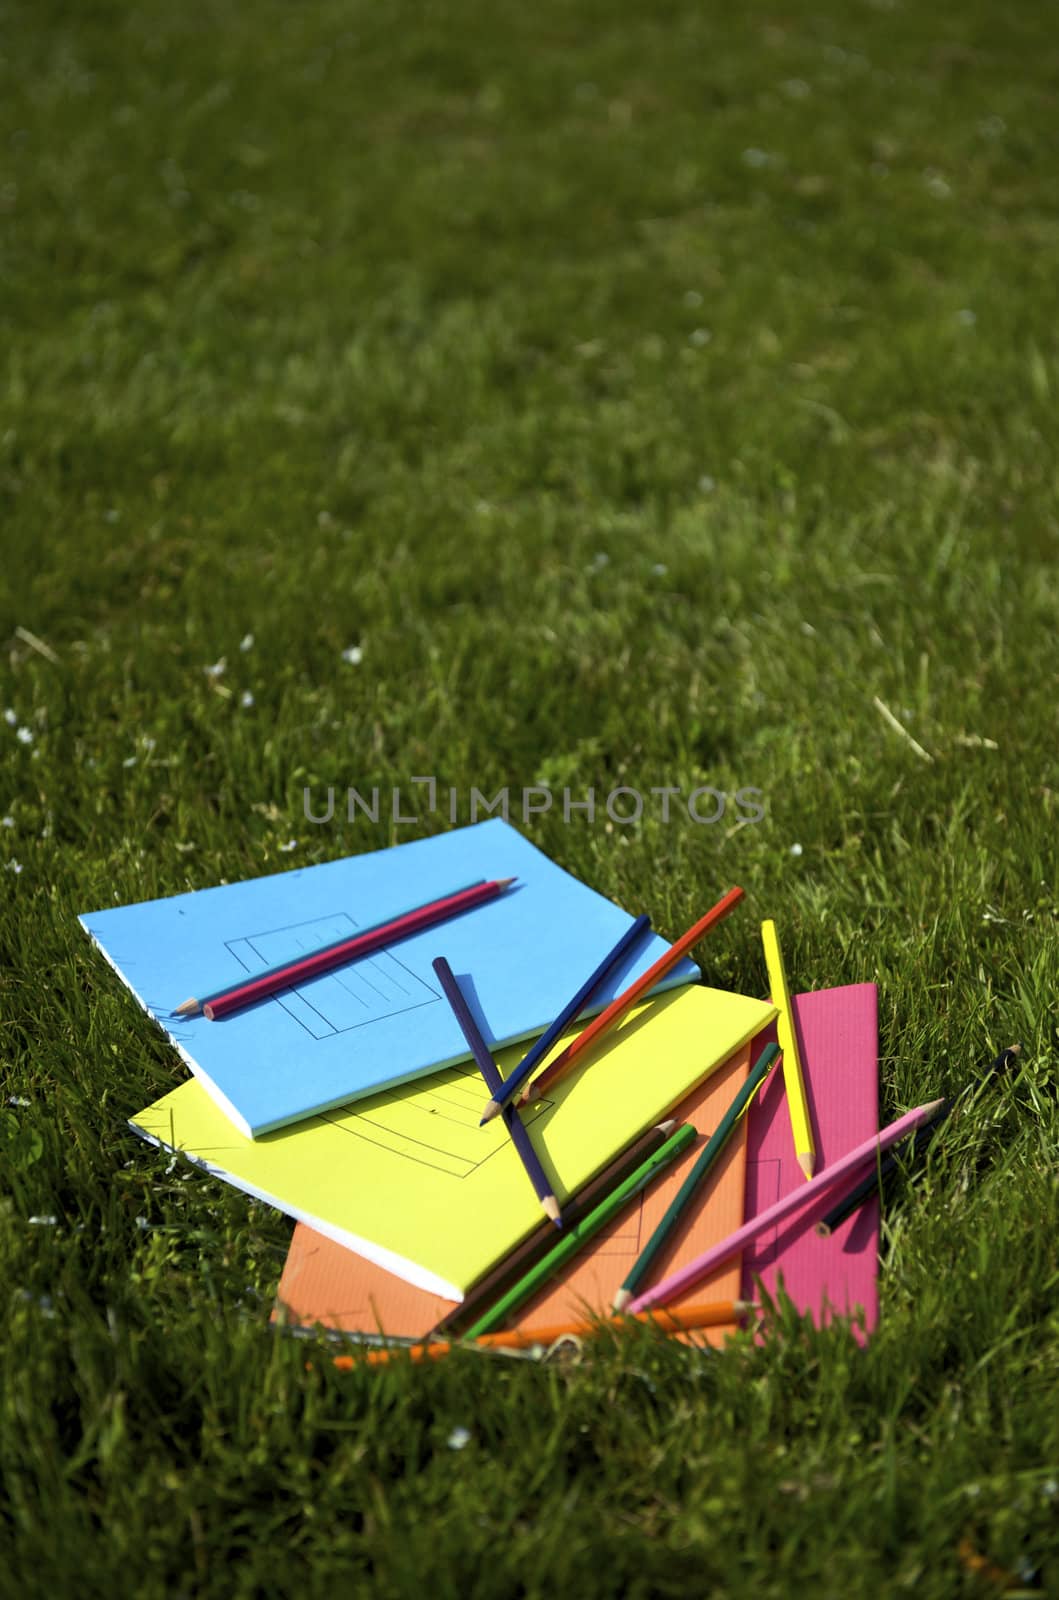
pixel 221 1100
pixel 389 1260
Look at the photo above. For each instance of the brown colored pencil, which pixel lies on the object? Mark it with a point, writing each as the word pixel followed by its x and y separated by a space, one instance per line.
pixel 565 1062
pixel 537 1244
pixel 685 1319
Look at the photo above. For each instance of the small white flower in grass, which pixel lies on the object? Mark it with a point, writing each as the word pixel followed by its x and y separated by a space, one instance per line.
pixel 1050 1488
pixel 659 569
pixel 291 844
pixel 10 717
pixel 966 318
pixel 130 761
pixel 24 735
pixel 700 337
pixel 217 670
pixel 246 642
pixel 692 297
pixel 936 184
pixel 354 655
pixel 7 822
pixel 796 849
pixel 111 516
pixel 756 158
pixel 246 699
pixel 599 561
pixel 143 1224
pixel 18 1100
pixel 147 743
pixel 15 867
pixel 459 1438
pixel 707 484
pixel 796 89
pixel 43 1222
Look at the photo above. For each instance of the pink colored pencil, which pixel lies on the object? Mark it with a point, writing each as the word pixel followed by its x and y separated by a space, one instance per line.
pixel 317 962
pixel 677 1284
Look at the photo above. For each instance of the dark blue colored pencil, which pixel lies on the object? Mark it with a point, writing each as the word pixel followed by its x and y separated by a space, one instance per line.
pixel 570 1011
pixel 491 1073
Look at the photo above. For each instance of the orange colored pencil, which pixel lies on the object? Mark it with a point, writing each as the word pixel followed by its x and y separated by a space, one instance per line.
pixel 685 1319
pixel 617 1008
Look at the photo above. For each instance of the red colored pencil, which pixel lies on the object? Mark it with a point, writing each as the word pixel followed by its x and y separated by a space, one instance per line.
pixel 317 962
pixel 599 1025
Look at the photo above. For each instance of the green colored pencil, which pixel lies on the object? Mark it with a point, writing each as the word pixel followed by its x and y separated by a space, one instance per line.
pixel 695 1177
pixel 583 1230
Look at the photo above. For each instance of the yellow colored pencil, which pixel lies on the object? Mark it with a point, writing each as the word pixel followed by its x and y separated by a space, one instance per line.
pixel 793 1080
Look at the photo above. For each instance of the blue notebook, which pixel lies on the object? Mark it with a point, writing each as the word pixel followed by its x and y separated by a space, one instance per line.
pixel 382 1020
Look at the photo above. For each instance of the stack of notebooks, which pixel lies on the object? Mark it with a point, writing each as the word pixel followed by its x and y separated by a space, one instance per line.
pixel 350 1098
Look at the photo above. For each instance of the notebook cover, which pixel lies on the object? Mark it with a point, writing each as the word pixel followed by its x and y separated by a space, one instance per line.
pixel 838 1037
pixel 383 1020
pixel 409 1178
pixel 324 1283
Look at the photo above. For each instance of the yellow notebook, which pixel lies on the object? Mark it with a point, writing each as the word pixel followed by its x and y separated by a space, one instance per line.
pixel 410 1181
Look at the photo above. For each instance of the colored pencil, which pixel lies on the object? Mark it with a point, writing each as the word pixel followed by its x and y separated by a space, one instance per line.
pixel 362 943
pixel 913 1148
pixel 579 1235
pixel 679 1282
pixel 564 1062
pixel 686 1319
pixel 695 1178
pixel 540 1241
pixel 490 1072
pixel 786 1033
pixel 568 1014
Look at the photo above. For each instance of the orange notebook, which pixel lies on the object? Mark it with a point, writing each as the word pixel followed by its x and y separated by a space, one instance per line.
pixel 325 1283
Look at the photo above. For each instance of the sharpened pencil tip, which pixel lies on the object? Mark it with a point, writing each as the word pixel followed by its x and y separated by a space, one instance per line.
pixel 807 1162
pixel 551 1209
pixel 490 1112
pixel 505 883
pixel 188 1009
pixel 621 1300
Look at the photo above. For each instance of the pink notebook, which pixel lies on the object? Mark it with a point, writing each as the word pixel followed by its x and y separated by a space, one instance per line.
pixel 838 1037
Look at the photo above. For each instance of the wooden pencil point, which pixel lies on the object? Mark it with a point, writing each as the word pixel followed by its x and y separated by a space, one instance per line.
pixel 190 1008
pixel 807 1162
pixel 621 1300
pixel 505 883
pixel 551 1209
pixel 491 1110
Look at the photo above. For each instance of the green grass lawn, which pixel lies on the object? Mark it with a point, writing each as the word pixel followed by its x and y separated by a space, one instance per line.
pixel 645 392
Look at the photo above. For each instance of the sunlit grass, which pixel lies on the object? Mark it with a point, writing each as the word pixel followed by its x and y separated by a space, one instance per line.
pixel 586 397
